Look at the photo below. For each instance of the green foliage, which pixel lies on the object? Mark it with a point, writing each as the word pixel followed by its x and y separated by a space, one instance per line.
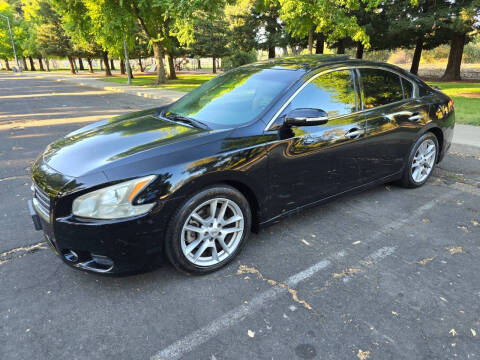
pixel 210 35
pixel 302 16
pixel 238 58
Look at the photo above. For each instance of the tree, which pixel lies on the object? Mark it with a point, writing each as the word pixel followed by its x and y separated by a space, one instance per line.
pixel 51 36
pixel 303 18
pixel 211 37
pixel 462 24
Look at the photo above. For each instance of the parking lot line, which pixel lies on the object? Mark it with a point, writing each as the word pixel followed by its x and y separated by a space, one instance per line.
pixel 185 345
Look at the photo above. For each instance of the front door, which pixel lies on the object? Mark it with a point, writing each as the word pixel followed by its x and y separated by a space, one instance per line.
pixel 309 163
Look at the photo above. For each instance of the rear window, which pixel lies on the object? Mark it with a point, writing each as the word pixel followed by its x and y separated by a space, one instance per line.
pixel 380 87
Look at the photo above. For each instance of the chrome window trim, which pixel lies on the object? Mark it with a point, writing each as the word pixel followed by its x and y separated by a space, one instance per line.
pixel 353 68
pixel 289 100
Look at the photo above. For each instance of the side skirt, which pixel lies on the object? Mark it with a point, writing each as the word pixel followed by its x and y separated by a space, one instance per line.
pixel 331 198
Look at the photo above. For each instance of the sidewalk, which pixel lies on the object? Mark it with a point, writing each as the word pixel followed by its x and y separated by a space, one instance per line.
pixel 92 81
pixel 466 138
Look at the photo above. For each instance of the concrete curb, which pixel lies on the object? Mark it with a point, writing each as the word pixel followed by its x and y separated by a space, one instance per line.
pixel 149 93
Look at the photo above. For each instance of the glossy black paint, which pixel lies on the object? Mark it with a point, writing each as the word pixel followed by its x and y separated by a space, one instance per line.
pixel 280 169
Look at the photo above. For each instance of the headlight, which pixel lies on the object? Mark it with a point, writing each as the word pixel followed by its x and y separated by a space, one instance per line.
pixel 113 202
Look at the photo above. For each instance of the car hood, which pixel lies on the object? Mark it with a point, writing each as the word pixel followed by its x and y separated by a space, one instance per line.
pixel 92 147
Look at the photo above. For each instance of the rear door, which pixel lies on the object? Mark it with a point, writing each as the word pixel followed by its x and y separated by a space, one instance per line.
pixel 393 113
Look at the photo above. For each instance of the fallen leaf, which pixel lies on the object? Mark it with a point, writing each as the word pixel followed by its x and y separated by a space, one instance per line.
pixel 356 242
pixel 346 272
pixel 452 332
pixel 306 242
pixel 251 333
pixel 425 261
pixel 474 333
pixel 455 250
pixel 475 222
pixel 363 355
pixel 425 220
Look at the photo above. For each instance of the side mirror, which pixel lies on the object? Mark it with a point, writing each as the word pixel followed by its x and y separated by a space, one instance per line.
pixel 306 117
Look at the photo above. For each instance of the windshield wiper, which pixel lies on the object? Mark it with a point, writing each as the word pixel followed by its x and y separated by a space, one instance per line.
pixel 187 120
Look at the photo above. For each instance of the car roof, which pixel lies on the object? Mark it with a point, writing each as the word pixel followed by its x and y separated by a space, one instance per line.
pixel 312 62
pixel 308 63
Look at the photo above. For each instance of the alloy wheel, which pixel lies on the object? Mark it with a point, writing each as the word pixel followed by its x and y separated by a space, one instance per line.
pixel 212 232
pixel 423 161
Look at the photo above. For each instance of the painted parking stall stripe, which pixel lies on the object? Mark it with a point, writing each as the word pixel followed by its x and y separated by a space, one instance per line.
pixel 188 343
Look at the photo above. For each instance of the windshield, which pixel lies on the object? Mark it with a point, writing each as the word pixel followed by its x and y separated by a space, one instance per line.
pixel 234 98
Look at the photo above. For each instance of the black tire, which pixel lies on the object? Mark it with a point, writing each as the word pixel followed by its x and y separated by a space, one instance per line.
pixel 173 248
pixel 407 178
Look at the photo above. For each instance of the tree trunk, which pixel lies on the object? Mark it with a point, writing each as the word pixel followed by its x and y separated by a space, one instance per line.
pixel 112 65
pixel 105 62
pixel 271 52
pixel 170 67
pixel 452 72
pixel 7 65
pixel 90 67
pixel 40 63
pixel 158 53
pixel 122 67
pixel 140 64
pixel 320 44
pixel 32 65
pixel 199 64
pixel 72 65
pixel 48 64
pixel 214 68
pixel 80 64
pixel 341 47
pixel 360 48
pixel 25 63
pixel 310 41
pixel 417 55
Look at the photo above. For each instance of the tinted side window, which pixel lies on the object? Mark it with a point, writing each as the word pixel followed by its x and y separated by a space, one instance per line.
pixel 333 92
pixel 407 89
pixel 380 87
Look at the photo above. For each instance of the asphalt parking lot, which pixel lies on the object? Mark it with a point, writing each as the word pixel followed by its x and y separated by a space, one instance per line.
pixel 387 274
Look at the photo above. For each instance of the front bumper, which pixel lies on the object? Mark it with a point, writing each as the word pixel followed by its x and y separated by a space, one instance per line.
pixel 108 247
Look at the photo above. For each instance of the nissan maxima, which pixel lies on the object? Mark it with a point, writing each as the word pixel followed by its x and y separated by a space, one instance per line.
pixel 258 143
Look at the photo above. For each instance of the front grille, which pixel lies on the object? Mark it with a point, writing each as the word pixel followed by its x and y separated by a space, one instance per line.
pixel 43 199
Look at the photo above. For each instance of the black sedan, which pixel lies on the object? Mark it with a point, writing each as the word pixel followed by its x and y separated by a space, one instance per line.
pixel 260 142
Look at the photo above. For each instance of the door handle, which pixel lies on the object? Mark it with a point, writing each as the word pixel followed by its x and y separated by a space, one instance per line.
pixel 416 117
pixel 354 133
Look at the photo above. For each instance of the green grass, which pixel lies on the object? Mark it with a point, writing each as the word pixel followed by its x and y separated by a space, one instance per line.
pixel 185 82
pixel 467 100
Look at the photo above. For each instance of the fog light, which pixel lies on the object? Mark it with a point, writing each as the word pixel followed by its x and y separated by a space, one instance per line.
pixel 70 256
pixel 102 260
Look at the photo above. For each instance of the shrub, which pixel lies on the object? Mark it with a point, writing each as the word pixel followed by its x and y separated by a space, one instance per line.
pixel 239 58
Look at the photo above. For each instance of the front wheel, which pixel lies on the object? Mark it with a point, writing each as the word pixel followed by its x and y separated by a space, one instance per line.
pixel 208 230
pixel 421 161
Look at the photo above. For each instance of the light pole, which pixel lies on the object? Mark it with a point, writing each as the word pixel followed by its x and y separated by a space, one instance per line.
pixel 13 44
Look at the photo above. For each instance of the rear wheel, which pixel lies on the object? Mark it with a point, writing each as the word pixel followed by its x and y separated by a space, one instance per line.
pixel 421 161
pixel 208 230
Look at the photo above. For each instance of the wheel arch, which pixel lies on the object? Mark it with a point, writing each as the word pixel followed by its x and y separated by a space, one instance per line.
pixel 440 137
pixel 253 192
